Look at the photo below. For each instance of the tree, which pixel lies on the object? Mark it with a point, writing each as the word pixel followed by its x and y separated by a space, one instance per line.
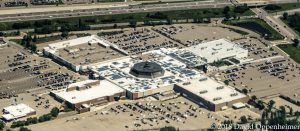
pixel 245 91
pixel 226 82
pixel 226 10
pixel 254 98
pixel 295 42
pixel 54 112
pixel 24 129
pixel 3 26
pixel 2 125
pixel 227 16
pixel 291 111
pixel 169 21
pixel 241 9
pixel 244 119
pixel 260 105
pixel 33 47
pixel 272 7
pixel 115 26
pixel 168 128
pixel 132 23
pixel 64 34
pixel 80 23
pixel 271 104
pixel 285 15
pixel 34 38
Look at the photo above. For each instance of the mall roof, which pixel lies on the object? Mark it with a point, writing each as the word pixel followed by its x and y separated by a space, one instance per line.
pixel 217 50
pixel 118 73
pixel 104 88
pixel 212 90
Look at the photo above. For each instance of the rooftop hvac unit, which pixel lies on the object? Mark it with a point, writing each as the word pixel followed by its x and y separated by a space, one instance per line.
pixel 217 98
pixel 233 94
pixel 203 79
pixel 203 92
pixel 220 87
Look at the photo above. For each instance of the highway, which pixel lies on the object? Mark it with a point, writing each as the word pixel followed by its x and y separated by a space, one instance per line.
pixel 39 13
pixel 109 11
pixel 275 23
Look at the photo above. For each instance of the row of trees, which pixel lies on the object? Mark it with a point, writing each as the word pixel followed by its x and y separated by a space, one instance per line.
pixel 27 42
pixel 279 117
pixel 48 26
pixel 168 128
pixel 2 125
pixel 34 120
pixel 229 13
pixel 291 21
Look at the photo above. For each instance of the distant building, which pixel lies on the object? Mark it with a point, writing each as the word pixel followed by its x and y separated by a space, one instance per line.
pixel 217 50
pixel 17 111
pixel 81 95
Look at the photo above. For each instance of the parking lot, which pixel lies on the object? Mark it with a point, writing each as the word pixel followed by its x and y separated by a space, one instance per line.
pixel 257 50
pixel 42 104
pixel 21 71
pixel 192 34
pixel 137 115
pixel 264 78
pixel 139 40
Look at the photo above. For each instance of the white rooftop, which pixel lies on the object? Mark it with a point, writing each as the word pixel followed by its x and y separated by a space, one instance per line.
pixel 16 111
pixel 118 73
pixel 212 90
pixel 218 49
pixel 104 88
pixel 82 40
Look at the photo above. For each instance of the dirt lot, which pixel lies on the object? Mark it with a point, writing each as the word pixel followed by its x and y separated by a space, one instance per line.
pixel 41 103
pixel 113 117
pixel 281 102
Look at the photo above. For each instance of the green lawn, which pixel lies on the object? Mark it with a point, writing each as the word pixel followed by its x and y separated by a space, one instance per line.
pixel 293 51
pixel 18 41
pixel 121 18
pixel 239 31
pixel 258 26
pixel 284 7
pixel 290 21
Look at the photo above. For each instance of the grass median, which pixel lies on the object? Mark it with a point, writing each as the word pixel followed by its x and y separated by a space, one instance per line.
pixel 258 26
